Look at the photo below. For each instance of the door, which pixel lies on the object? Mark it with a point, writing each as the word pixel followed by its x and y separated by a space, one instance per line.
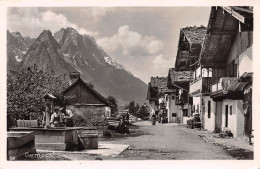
pixel 226 115
pixel 247 105
pixel 203 113
pixel 218 116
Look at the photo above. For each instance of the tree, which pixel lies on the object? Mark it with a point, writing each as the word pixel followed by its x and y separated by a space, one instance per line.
pixel 25 91
pixel 113 104
pixel 143 112
pixel 131 107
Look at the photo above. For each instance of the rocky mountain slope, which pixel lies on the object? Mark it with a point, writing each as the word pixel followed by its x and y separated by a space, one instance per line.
pixel 69 51
pixel 17 46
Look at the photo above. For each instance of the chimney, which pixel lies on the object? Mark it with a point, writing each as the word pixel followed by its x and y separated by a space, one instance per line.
pixel 73 77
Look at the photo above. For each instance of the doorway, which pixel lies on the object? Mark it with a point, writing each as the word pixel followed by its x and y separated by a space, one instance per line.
pixel 226 115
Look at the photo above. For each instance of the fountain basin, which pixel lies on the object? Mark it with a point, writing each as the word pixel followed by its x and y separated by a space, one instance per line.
pixel 19 143
pixel 56 138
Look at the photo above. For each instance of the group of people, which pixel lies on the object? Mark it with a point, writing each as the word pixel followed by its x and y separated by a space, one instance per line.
pixel 61 117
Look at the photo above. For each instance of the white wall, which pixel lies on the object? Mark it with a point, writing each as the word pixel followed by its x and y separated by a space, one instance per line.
pixel 240 119
pixel 152 106
pixel 209 122
pixel 196 102
pixel 245 61
pixel 172 108
pixel 236 120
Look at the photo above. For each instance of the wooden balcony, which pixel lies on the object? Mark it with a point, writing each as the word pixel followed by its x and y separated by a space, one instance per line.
pixel 183 99
pixel 162 105
pixel 200 86
pixel 221 86
pixel 179 100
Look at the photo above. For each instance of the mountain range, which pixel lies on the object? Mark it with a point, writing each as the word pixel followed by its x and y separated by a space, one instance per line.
pixel 68 51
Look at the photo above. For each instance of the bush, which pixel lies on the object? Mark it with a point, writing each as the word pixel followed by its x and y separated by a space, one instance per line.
pixel 88 116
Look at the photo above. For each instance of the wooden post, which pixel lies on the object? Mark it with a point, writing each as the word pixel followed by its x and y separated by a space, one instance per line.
pixel 48 109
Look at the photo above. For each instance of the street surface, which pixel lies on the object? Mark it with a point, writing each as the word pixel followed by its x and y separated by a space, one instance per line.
pixel 159 142
pixel 166 141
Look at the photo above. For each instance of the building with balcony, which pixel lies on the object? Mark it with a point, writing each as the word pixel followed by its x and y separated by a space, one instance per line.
pixel 156 86
pixel 171 108
pixel 227 52
pixel 199 90
pixel 179 81
pixel 189 47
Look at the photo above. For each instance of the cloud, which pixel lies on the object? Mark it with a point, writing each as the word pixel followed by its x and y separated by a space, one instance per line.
pixel 163 63
pixel 32 22
pixel 98 13
pixel 130 43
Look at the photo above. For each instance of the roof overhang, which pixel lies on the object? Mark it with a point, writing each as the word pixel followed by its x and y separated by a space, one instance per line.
pixel 224 23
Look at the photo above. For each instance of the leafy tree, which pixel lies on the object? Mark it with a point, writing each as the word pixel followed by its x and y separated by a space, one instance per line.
pixel 143 112
pixel 131 107
pixel 113 104
pixel 137 107
pixel 25 91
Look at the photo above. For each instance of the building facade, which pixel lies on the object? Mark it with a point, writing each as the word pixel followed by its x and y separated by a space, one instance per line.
pixel 227 57
pixel 85 101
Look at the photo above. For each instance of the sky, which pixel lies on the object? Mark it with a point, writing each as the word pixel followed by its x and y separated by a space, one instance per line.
pixel 142 39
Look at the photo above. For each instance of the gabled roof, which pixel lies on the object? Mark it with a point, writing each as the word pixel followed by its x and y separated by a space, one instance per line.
pixel 223 25
pixel 156 86
pixel 179 76
pixel 89 87
pixel 189 46
pixel 159 82
pixel 195 35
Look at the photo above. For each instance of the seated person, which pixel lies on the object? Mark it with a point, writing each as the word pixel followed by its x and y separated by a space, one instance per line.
pixel 68 116
pixel 56 118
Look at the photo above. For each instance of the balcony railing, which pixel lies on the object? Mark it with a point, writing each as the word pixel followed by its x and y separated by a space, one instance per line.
pixel 200 86
pixel 222 84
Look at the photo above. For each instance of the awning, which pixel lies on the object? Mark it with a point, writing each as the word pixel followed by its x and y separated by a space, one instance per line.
pixel 237 86
pixel 246 75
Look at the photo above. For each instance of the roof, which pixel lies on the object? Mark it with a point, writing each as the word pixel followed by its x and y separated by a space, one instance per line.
pixel 223 25
pixel 88 86
pixel 241 13
pixel 179 76
pixel 152 92
pixel 195 35
pixel 237 86
pixel 247 75
pixel 155 87
pixel 189 46
pixel 158 81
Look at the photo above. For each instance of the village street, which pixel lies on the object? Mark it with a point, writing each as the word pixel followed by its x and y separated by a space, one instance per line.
pixel 169 141
pixel 160 142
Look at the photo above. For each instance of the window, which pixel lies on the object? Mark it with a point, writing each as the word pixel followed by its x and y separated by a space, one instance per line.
pixel 174 114
pixel 209 109
pixel 173 97
pixel 230 112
